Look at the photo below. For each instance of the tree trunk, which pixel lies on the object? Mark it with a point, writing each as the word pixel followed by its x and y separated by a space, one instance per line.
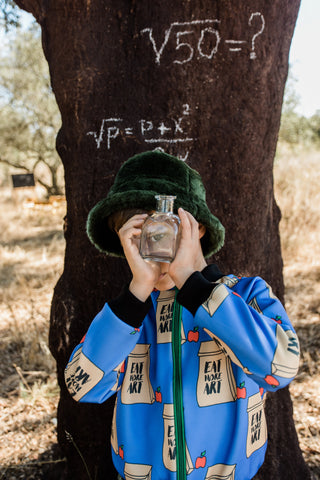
pixel 203 81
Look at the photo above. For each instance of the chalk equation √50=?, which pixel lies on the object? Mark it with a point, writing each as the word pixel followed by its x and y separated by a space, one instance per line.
pixel 208 39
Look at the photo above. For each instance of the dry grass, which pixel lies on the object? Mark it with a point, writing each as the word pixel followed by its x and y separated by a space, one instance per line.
pixel 297 180
pixel 31 252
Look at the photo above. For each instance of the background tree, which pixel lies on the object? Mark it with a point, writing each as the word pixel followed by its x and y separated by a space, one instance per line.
pixel 202 80
pixel 296 129
pixel 29 116
pixel 314 123
pixel 9 14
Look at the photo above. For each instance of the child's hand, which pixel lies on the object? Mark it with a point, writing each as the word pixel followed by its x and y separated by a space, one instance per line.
pixel 189 257
pixel 144 274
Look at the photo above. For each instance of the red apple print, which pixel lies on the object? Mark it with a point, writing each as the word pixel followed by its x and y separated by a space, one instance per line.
pixel 241 391
pixel 121 453
pixel 202 460
pixel 135 331
pixel 271 380
pixel 237 294
pixel 277 319
pixel 261 390
pixel 82 340
pixel 158 395
pixel 193 335
pixel 122 367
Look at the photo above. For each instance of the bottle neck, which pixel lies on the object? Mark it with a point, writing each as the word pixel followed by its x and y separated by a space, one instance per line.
pixel 165 203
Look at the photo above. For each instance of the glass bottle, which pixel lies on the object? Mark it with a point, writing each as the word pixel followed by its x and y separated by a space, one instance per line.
pixel 160 232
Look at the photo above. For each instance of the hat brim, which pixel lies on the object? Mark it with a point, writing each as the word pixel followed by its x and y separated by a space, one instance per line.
pixel 107 241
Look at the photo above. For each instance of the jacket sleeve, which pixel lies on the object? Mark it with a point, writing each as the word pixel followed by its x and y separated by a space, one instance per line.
pixel 96 367
pixel 252 327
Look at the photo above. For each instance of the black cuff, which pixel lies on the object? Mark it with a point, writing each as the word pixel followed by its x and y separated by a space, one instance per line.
pixel 129 308
pixel 212 273
pixel 195 291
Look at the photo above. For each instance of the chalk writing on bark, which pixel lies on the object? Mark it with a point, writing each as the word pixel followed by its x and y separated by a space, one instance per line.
pixel 201 39
pixel 155 133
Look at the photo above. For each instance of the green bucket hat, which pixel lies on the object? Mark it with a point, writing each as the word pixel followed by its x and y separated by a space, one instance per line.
pixel 138 181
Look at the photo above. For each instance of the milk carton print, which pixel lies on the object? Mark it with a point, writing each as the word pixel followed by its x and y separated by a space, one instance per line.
pixel 229 281
pixel 286 358
pixel 254 304
pixel 216 383
pixel 164 314
pixel 217 296
pixel 271 294
pixel 134 471
pixel 119 369
pixel 257 425
pixel 136 387
pixel 169 442
pixel 81 375
pixel 220 471
pixel 114 436
pixel 224 347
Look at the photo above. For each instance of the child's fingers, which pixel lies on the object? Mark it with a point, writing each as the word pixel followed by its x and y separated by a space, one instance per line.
pixel 188 223
pixel 194 224
pixel 135 220
pixel 185 222
pixel 130 232
pixel 133 223
pixel 138 216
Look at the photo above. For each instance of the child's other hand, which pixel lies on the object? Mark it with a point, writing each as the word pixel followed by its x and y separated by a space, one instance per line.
pixel 189 257
pixel 144 274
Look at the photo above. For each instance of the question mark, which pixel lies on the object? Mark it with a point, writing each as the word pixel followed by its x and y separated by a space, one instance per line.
pixel 253 55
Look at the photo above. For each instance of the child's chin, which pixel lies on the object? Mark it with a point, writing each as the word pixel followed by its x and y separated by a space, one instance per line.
pixel 166 283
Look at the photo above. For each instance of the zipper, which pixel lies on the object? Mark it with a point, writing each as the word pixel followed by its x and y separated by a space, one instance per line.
pixel 177 391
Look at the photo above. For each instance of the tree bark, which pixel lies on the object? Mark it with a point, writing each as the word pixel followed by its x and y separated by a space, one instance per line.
pixel 204 81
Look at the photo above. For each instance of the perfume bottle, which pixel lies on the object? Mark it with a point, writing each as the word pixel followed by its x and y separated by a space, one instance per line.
pixel 160 232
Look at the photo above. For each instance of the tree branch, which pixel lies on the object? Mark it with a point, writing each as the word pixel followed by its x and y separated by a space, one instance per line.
pixel 14 165
pixel 44 184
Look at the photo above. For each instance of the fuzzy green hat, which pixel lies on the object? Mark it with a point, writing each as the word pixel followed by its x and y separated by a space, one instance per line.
pixel 138 181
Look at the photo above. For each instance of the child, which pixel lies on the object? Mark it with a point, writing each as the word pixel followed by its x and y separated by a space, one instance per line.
pixel 189 351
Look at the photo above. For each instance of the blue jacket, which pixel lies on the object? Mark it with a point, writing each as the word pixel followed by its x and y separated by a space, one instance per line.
pixel 190 370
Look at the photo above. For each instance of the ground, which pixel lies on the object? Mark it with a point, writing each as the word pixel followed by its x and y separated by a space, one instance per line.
pixel 32 251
